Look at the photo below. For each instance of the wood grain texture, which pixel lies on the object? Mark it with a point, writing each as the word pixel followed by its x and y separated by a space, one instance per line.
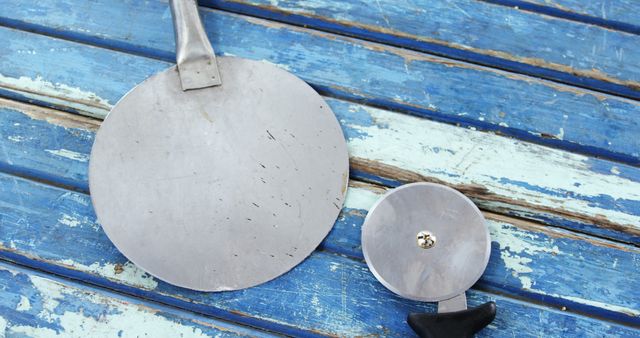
pixel 475 31
pixel 37 305
pixel 619 15
pixel 529 261
pixel 527 108
pixel 54 230
pixel 569 190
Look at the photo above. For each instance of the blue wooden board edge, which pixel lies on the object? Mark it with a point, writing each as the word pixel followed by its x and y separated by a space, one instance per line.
pixel 37 304
pixel 426 47
pixel 273 326
pixel 616 154
pixel 569 15
pixel 82 138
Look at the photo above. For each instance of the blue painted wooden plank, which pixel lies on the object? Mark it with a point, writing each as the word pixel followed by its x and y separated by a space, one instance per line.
pixel 34 304
pixel 60 147
pixel 45 144
pixel 620 15
pixel 565 117
pixel 54 230
pixel 468 30
pixel 528 261
pixel 597 196
pixel 533 262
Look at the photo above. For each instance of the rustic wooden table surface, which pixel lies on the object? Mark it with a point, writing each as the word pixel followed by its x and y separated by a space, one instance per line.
pixel 529 107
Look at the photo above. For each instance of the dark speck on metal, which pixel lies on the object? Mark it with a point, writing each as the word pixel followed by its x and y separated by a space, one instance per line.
pixel 180 164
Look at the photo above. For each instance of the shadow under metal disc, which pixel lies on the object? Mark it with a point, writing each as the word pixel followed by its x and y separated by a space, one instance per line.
pixel 454 262
pixel 220 188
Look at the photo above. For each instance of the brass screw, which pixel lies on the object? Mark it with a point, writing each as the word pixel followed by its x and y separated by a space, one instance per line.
pixel 426 240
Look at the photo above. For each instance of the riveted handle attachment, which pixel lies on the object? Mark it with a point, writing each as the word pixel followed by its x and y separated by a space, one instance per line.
pixel 194 55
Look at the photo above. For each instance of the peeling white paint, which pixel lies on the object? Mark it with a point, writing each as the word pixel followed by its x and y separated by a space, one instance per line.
pixel 360 198
pixel 50 298
pixel 69 221
pixel 58 94
pixel 72 155
pixel 16 138
pixel 315 302
pixel 123 318
pixel 492 161
pixel 127 273
pixel 282 66
pixel 82 199
pixel 514 244
pixel 3 327
pixel 24 304
pixel 334 266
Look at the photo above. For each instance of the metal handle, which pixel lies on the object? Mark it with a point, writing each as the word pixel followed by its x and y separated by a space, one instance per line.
pixel 194 55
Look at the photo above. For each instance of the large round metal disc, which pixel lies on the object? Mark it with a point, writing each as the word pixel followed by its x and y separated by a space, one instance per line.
pixel 448 268
pixel 220 188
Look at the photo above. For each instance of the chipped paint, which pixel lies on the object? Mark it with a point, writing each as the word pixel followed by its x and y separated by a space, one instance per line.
pixel 57 93
pixel 23 305
pixel 514 250
pixel 15 138
pixel 544 56
pixel 360 198
pixel 501 166
pixel 127 273
pixel 72 155
pixel 70 221
pixel 52 116
pixel 117 319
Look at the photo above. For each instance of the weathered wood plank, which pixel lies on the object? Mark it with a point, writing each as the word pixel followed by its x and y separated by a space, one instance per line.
pixel 37 305
pixel 619 15
pixel 528 261
pixel 565 116
pixel 475 31
pixel 60 147
pixel 72 146
pixel 569 190
pixel 55 230
pixel 531 261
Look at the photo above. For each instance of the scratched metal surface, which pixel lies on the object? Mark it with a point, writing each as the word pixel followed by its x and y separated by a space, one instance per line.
pixel 548 272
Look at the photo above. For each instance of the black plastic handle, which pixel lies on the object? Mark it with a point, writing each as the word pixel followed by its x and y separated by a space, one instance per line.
pixel 461 324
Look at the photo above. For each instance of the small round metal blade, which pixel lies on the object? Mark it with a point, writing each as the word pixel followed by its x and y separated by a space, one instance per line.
pixel 426 242
pixel 220 188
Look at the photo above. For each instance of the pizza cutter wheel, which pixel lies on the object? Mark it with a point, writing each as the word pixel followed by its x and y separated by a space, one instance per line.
pixel 428 242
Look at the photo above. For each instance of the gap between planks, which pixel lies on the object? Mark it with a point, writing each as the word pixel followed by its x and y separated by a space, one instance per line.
pixel 142 303
pixel 60 120
pixel 567 14
pixel 380 170
pixel 527 66
pixel 69 120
